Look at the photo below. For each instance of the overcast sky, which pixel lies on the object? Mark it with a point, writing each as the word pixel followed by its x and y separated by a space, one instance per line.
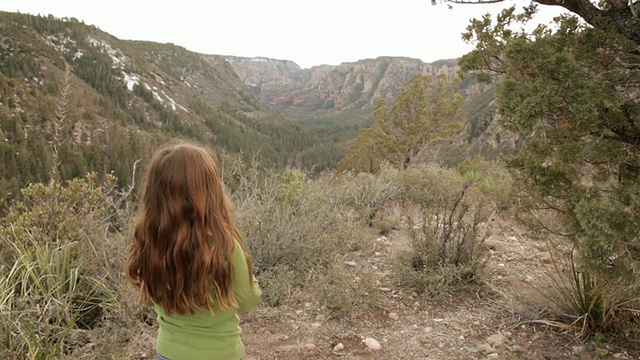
pixel 309 32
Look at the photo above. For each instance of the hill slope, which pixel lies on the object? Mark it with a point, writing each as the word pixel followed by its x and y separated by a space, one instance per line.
pixel 111 101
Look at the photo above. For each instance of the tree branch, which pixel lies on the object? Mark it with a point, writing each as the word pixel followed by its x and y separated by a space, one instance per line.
pixel 622 14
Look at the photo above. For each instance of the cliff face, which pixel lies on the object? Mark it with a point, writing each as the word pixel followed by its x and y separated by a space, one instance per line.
pixel 325 90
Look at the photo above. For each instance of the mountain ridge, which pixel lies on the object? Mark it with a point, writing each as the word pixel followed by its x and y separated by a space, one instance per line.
pixel 329 89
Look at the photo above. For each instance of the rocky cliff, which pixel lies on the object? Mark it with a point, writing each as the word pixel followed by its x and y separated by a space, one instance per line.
pixel 329 90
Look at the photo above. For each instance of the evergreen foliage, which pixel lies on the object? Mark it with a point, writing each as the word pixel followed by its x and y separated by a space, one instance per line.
pixel 574 91
pixel 423 118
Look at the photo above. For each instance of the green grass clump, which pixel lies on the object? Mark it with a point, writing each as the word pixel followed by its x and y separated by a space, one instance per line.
pixel 56 275
pixel 577 300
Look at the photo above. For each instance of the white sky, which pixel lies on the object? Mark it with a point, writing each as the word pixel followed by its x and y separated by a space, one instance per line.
pixel 309 32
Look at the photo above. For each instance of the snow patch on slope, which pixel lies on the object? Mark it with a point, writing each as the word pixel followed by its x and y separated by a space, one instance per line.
pixel 119 59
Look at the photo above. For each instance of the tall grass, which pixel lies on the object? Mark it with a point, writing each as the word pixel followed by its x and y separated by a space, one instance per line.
pixel 574 299
pixel 50 282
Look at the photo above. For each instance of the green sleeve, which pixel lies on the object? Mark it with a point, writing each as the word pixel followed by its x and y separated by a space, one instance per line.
pixel 247 298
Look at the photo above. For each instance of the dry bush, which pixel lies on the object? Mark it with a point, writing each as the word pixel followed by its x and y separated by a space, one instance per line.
pixel 299 233
pixel 368 194
pixel 491 179
pixel 447 226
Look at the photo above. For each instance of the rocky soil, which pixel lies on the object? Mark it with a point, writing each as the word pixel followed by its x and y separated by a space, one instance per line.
pixel 486 322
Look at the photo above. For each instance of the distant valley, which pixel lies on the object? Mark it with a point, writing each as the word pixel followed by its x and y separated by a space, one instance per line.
pixel 335 102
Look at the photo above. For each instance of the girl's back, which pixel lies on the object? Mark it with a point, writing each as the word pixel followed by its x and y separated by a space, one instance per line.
pixel 188 259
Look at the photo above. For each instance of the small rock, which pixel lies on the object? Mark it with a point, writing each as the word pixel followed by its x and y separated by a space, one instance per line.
pixel 316 325
pixel 461 337
pixel 310 346
pixel 493 356
pixel 299 312
pixel 515 349
pixel 394 316
pixel 496 340
pixel 486 349
pixel 350 263
pixel 267 332
pixel 372 343
pixel 338 347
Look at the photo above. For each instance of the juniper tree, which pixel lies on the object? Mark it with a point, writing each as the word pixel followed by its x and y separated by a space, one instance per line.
pixel 574 92
pixel 422 117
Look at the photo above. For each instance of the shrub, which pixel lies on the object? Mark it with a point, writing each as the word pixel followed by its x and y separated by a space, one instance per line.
pixel 490 178
pixel 368 194
pixel 446 230
pixel 55 267
pixel 299 233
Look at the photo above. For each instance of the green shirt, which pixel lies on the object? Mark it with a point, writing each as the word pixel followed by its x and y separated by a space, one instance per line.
pixel 203 336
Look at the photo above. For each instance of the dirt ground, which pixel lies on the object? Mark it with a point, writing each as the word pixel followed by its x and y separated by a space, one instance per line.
pixel 485 323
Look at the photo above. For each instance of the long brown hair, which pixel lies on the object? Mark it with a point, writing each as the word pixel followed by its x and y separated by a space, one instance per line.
pixel 182 236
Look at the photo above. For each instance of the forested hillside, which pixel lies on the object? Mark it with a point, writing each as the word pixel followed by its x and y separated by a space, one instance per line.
pixel 102 103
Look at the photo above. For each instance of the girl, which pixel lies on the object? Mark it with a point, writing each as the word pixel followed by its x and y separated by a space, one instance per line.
pixel 188 259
